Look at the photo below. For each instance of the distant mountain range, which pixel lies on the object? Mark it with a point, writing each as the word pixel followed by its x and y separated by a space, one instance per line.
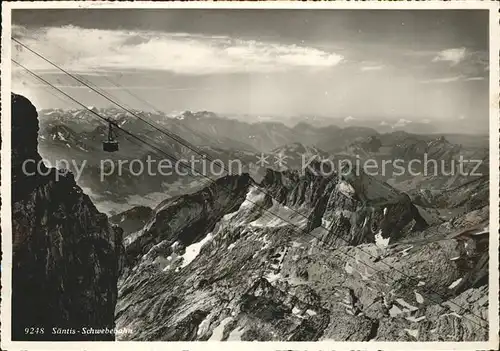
pixel 381 124
pixel 77 135
pixel 207 128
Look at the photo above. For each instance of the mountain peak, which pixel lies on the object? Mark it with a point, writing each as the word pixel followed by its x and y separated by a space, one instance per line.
pixel 188 114
pixel 66 257
pixel 24 131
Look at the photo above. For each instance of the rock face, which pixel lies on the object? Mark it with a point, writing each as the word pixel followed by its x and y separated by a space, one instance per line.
pixel 305 257
pixel 66 256
pixel 187 219
pixel 132 220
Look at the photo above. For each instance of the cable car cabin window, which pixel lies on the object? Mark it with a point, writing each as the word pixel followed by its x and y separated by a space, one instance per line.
pixel 110 146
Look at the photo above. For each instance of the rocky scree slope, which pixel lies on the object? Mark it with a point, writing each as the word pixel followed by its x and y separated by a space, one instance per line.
pixel 338 259
pixel 66 256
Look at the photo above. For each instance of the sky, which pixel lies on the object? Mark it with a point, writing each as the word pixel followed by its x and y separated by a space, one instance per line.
pixel 420 65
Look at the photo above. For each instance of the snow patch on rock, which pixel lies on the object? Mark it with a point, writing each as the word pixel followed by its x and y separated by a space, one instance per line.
pixel 395 311
pixel 193 250
pixel 272 277
pixel 419 298
pixel 254 195
pixel 61 136
pixel 455 283
pixel 380 241
pixel 346 189
pixel 406 304
pixel 412 332
pixel 236 334
pixel 218 332
pixel 415 320
pixel 311 312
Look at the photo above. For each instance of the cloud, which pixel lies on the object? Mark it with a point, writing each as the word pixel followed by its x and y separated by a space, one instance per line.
pixel 469 79
pixel 348 119
pixel 443 80
pixel 85 50
pixel 372 68
pixel 465 60
pixel 92 73
pixel 401 123
pixel 459 78
pixel 454 56
pixel 112 87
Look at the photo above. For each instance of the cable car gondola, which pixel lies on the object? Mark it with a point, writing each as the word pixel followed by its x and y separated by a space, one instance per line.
pixel 110 145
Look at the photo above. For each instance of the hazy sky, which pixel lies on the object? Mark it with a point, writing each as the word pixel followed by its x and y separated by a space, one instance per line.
pixel 415 65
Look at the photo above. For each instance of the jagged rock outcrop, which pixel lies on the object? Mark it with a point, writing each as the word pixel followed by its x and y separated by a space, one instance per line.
pixel 274 266
pixel 132 220
pixel 187 219
pixel 352 206
pixel 66 256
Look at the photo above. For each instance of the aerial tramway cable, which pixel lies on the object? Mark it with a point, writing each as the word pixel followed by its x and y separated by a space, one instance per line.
pixel 169 134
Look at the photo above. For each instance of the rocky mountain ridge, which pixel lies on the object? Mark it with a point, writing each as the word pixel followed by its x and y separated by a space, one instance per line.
pixel 304 258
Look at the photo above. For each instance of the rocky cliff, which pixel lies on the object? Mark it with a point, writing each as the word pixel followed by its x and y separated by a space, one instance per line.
pixel 66 256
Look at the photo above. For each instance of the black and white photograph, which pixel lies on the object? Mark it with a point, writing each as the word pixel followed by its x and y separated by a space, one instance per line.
pixel 263 173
